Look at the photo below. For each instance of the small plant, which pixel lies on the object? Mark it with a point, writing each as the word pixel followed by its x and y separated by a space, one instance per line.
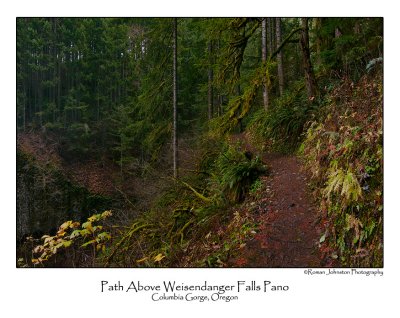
pixel 255 187
pixel 237 172
pixel 71 232
pixel 344 184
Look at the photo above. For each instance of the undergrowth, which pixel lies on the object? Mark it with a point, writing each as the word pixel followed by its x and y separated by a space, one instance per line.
pixel 74 245
pixel 344 154
pixel 280 128
pixel 195 222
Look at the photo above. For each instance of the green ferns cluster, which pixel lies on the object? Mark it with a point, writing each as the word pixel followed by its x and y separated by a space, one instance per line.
pixel 344 154
pixel 235 173
pixel 343 184
pixel 281 127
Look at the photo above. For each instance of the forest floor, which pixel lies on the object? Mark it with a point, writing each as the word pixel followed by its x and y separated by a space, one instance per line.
pixel 287 218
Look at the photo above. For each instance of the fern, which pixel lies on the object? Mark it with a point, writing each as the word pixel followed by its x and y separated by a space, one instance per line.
pixel 236 173
pixel 335 181
pixel 344 184
pixel 351 189
pixel 284 123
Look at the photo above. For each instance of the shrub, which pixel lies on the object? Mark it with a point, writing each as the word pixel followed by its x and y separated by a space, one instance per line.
pixel 69 234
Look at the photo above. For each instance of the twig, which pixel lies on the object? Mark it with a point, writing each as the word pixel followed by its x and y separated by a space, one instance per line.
pixel 202 197
pixel 129 235
pixel 125 197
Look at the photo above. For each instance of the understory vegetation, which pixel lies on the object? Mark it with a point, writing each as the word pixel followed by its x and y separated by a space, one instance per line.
pixel 121 164
pixel 281 129
pixel 200 205
pixel 344 153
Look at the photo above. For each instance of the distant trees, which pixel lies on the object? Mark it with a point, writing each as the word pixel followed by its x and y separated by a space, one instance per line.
pixel 268 38
pixel 72 74
pixel 104 86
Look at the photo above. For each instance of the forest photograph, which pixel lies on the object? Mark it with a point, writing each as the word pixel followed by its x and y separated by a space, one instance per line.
pixel 234 142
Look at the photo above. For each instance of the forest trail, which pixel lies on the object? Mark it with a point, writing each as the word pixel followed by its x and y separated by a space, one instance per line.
pixel 288 234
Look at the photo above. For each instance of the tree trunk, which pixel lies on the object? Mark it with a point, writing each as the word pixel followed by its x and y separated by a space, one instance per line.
pixel 318 40
pixel 264 60
pixel 55 61
pixel 311 83
pixel 40 97
pixel 174 129
pixel 24 115
pixel 269 35
pixel 210 82
pixel 279 55
pixel 273 34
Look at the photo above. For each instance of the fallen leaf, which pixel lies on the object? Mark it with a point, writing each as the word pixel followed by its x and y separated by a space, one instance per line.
pixel 142 260
pixel 159 257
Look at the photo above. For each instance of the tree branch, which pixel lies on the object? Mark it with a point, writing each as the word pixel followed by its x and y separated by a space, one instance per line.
pixel 284 42
pixel 199 195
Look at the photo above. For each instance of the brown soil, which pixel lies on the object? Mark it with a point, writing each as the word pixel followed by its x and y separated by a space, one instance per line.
pixel 288 234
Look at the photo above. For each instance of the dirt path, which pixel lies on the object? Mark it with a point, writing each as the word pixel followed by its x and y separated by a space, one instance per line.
pixel 287 218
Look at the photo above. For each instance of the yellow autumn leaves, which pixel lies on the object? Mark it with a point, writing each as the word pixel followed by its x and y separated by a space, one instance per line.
pixel 64 238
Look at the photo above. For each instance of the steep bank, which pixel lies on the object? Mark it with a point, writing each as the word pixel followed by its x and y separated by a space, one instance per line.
pixel 46 194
